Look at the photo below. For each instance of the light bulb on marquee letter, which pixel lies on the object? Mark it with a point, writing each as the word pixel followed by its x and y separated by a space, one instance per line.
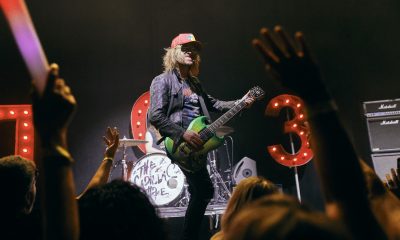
pixel 139 118
pixel 24 133
pixel 296 125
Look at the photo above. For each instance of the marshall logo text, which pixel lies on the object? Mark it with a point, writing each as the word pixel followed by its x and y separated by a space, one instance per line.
pixel 390 122
pixel 388 106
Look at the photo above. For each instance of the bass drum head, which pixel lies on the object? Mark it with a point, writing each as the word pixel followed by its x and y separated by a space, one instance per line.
pixel 162 180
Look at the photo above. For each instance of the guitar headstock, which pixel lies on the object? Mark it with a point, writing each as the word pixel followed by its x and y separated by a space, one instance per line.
pixel 256 93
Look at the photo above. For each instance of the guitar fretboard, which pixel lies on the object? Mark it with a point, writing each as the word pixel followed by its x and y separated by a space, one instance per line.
pixel 209 132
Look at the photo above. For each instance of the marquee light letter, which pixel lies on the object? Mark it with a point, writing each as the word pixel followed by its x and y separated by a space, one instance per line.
pixel 296 125
pixel 24 130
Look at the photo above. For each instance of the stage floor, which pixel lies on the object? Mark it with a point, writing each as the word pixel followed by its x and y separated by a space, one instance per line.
pixel 171 212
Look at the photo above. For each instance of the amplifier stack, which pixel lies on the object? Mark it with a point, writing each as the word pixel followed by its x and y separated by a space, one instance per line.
pixel 383 123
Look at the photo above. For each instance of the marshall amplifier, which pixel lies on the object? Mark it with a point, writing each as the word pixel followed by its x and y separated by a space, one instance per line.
pixel 383 122
pixel 382 108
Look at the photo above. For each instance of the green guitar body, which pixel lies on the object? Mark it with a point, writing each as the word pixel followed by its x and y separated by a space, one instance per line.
pixel 184 156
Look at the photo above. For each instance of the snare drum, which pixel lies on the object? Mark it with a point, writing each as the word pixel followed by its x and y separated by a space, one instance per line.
pixel 162 180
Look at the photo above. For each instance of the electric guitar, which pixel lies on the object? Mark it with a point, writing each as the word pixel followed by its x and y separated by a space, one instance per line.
pixel 192 160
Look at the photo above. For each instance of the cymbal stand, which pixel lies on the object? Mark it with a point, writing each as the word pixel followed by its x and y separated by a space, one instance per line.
pixel 184 201
pixel 229 171
pixel 124 164
pixel 224 194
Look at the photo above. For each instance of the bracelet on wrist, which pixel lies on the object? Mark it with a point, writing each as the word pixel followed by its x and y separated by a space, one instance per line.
pixel 106 159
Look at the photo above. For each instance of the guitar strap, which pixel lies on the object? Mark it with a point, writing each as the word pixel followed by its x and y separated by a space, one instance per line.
pixel 204 108
pixel 200 92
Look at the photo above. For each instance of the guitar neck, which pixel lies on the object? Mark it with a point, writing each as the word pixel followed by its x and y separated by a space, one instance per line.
pixel 226 116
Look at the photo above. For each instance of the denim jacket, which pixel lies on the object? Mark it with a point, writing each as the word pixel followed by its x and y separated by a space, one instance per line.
pixel 166 95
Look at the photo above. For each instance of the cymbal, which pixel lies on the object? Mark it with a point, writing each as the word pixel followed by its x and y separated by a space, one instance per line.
pixel 223 131
pixel 126 142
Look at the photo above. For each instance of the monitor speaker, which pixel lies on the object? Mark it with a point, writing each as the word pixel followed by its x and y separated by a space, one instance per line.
pixel 245 168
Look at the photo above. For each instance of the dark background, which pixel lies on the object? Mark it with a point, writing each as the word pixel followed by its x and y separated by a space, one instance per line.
pixel 109 51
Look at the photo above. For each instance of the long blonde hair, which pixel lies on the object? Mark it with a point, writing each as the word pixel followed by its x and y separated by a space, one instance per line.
pixel 173 55
pixel 245 192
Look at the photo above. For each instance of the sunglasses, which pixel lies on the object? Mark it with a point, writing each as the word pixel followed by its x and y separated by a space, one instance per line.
pixel 190 49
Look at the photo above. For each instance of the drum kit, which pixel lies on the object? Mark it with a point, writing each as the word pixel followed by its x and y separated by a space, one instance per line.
pixel 165 183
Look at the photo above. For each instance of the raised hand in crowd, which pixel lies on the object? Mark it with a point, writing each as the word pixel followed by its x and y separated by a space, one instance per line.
pixel 112 141
pixel 289 61
pixel 103 172
pixel 384 204
pixel 393 181
pixel 54 110
pixel 52 113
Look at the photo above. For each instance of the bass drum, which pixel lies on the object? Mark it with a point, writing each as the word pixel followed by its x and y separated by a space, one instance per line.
pixel 162 180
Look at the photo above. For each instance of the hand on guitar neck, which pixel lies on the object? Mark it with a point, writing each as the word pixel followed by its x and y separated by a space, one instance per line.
pixel 193 139
pixel 248 99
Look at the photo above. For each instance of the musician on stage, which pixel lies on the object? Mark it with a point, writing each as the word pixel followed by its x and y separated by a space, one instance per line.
pixel 177 98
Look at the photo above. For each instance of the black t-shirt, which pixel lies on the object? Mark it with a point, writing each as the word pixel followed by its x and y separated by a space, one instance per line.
pixel 191 105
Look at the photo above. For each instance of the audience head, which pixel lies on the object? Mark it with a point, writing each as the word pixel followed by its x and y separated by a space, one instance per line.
pixel 17 185
pixel 280 217
pixel 118 210
pixel 248 190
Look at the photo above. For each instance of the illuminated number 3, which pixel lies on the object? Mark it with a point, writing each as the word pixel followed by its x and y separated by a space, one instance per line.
pixel 296 125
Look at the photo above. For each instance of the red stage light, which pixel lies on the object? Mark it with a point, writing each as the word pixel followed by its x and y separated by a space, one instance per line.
pixel 24 137
pixel 139 115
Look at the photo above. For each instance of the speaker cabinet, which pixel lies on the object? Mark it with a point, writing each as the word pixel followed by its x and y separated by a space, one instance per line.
pixel 245 168
pixel 384 134
pixel 384 162
pixel 383 122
